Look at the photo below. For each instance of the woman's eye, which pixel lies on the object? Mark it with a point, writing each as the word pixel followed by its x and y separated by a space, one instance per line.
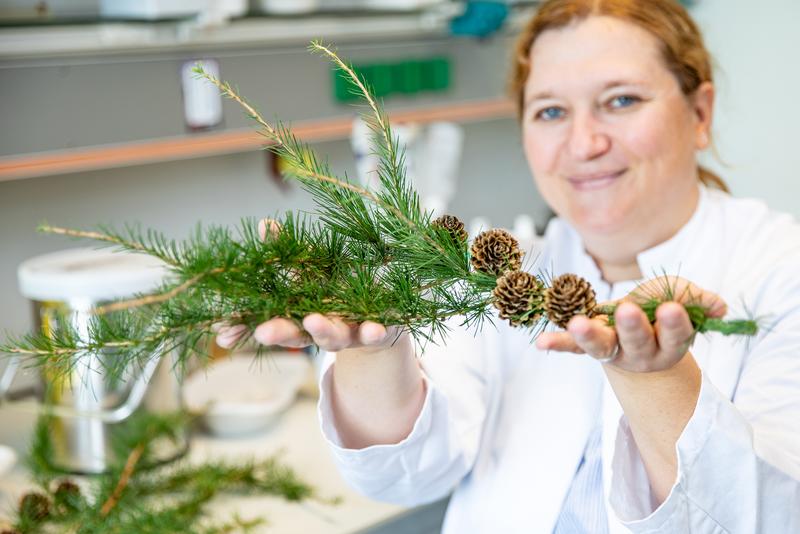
pixel 550 114
pixel 623 101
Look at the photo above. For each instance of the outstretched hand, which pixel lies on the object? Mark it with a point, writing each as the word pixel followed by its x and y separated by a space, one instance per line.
pixel 634 344
pixel 327 332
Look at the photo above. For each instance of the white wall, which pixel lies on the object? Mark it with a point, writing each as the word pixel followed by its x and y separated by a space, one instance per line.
pixel 757 127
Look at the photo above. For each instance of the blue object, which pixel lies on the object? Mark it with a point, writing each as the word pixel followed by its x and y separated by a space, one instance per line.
pixel 480 19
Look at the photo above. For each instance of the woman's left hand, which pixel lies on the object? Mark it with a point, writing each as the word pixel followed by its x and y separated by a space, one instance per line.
pixel 634 344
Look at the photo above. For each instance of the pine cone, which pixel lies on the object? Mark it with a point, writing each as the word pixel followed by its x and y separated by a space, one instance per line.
pixel 568 295
pixel 454 227
pixel 519 297
pixel 495 252
pixel 34 507
pixel 67 496
pixel 10 531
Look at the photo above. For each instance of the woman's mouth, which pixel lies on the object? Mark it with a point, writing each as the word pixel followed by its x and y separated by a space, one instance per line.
pixel 594 181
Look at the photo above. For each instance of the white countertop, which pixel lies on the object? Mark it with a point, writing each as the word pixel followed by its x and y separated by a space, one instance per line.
pixel 296 434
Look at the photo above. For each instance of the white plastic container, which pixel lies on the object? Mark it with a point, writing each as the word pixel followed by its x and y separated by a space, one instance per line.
pixel 87 408
pixel 88 274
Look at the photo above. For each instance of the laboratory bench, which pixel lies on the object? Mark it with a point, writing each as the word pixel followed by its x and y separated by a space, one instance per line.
pixel 296 437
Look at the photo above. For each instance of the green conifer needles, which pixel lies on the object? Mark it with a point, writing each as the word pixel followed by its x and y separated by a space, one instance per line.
pixel 138 496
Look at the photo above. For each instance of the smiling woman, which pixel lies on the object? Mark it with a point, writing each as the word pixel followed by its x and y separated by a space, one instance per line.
pixel 611 137
pixel 655 431
pixel 611 130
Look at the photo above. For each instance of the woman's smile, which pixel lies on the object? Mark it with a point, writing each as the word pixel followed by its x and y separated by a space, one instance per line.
pixel 594 181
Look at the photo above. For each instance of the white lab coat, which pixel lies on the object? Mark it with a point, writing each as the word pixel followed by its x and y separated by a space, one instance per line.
pixel 505 425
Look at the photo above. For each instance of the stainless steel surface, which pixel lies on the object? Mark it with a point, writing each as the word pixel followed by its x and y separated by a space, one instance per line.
pixel 86 406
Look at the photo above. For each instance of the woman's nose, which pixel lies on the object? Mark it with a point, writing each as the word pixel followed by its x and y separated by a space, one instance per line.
pixel 586 139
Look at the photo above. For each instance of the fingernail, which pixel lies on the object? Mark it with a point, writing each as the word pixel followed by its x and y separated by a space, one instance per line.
pixel 671 320
pixel 311 327
pixel 373 338
pixel 229 335
pixel 223 342
pixel 264 334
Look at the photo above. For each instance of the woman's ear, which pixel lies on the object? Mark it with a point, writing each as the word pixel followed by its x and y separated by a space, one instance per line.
pixel 703 109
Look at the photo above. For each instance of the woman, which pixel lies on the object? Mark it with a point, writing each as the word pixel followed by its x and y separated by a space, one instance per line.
pixel 616 98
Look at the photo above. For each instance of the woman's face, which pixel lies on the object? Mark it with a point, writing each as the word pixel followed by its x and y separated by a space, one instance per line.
pixel 608 134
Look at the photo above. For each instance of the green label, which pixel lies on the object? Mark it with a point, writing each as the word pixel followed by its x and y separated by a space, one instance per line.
pixel 407 78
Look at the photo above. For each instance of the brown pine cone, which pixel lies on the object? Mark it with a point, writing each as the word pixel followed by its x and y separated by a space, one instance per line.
pixel 34 507
pixel 568 295
pixel 519 297
pixel 454 227
pixel 10 531
pixel 67 495
pixel 495 252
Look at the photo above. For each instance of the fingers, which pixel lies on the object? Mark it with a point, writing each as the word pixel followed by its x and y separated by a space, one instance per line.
pixel 333 334
pixel 282 332
pixel 558 341
pixel 636 335
pixel 375 334
pixel 688 293
pixel 682 291
pixel 643 347
pixel 265 225
pixel 713 303
pixel 593 336
pixel 228 336
pixel 673 329
pixel 329 333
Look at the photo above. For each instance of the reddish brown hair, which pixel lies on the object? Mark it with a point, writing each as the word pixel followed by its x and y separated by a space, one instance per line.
pixel 682 47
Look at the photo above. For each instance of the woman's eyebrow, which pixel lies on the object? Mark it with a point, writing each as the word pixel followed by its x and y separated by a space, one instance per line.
pixel 612 84
pixel 542 95
pixel 621 83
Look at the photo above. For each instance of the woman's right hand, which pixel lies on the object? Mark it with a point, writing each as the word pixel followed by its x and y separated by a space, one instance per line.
pixel 327 332
pixel 376 388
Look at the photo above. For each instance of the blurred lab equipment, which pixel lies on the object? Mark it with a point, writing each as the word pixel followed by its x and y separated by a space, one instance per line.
pixel 202 103
pixel 7 459
pixel 480 19
pixel 245 394
pixel 431 156
pixel 86 406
